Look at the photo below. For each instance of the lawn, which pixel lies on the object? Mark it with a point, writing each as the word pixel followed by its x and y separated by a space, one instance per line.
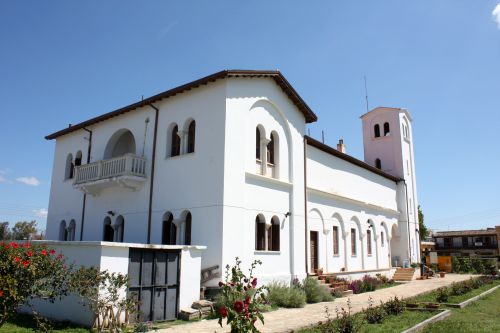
pixel 479 317
pixel 398 323
pixel 26 324
pixel 431 297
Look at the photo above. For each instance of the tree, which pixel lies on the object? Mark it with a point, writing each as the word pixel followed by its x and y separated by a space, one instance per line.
pixel 424 232
pixel 24 230
pixel 4 230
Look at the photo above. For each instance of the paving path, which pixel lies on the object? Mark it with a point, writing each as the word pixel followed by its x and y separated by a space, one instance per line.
pixel 289 320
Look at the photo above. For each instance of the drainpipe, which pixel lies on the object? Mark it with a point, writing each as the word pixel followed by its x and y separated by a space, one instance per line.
pixel 305 204
pixel 153 158
pixel 408 217
pixel 89 150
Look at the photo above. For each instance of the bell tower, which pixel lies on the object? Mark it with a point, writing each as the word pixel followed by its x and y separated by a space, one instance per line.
pixel 388 145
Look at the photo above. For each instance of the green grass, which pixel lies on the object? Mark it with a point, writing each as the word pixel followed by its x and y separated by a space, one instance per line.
pixel 431 297
pixel 479 317
pixel 398 323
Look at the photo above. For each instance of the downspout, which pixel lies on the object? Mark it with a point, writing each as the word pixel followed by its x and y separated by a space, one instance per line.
pixel 89 150
pixel 153 158
pixel 407 217
pixel 305 204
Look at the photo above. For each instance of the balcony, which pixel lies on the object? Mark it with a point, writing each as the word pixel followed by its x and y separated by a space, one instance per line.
pixel 127 171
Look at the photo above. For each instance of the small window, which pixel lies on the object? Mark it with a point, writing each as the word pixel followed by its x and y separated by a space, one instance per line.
pixel 270 150
pixel 378 163
pixel 78 158
pixel 335 240
pixel 369 242
pixel 169 233
pixel 387 130
pixel 176 142
pixel 353 242
pixel 257 144
pixel 274 235
pixel 71 231
pixel 108 232
pixel 382 238
pixel 187 234
pixel 260 234
pixel 191 137
pixel 377 130
pixel 63 233
pixel 119 229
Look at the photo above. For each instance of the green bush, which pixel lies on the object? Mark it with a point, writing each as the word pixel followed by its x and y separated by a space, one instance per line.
pixel 394 306
pixel 442 295
pixel 374 314
pixel 315 292
pixel 280 294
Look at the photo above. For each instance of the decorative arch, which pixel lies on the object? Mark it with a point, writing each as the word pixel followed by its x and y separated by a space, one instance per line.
pixel 63 235
pixel 120 143
pixel 69 167
pixel 119 229
pixel 386 230
pixel 108 231
pixel 269 105
pixel 323 222
pixel 169 229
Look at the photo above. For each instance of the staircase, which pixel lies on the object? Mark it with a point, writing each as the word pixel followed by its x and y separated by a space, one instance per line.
pixel 323 281
pixel 404 274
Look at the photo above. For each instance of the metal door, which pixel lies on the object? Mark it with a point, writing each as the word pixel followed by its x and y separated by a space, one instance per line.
pixel 154 279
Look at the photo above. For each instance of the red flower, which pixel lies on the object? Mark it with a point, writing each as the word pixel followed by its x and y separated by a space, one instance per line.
pixel 44 252
pixel 223 312
pixel 1 293
pixel 52 251
pixel 29 254
pixel 247 300
pixel 59 256
pixel 6 246
pixel 254 282
pixel 14 245
pixel 238 306
pixel 26 263
pixel 17 259
pixel 221 284
pixel 26 245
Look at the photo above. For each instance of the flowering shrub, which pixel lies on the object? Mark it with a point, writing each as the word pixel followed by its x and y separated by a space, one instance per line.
pixel 374 314
pixel 240 299
pixel 394 306
pixel 30 271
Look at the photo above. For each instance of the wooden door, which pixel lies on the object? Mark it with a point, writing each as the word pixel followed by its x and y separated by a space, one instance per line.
pixel 313 243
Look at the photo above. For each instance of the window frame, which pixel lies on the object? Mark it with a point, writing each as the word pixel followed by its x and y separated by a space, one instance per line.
pixel 354 250
pixel 335 235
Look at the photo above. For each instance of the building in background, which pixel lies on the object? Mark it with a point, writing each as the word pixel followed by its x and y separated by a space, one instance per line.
pixel 472 243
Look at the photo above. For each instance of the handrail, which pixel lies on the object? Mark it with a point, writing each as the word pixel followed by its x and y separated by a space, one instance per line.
pixel 128 164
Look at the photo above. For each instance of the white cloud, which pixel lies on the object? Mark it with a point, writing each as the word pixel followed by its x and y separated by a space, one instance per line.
pixel 31 181
pixel 496 14
pixel 42 212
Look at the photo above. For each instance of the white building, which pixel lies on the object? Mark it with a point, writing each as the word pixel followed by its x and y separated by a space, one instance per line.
pixel 224 162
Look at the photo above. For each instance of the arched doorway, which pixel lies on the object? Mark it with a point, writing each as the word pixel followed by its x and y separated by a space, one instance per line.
pixel 120 143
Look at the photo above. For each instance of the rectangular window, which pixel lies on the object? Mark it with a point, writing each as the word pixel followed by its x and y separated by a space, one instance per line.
pixel 382 238
pixel 369 242
pixel 457 242
pixel 335 240
pixel 353 242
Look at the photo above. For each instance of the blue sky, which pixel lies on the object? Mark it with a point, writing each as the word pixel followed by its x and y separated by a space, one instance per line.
pixel 64 61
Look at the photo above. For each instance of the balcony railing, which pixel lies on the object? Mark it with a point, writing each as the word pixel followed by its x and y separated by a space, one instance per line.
pixel 126 165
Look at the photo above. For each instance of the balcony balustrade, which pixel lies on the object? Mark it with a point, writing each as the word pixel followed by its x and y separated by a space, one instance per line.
pixel 127 171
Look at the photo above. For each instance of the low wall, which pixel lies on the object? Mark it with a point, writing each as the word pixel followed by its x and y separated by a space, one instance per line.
pixel 114 257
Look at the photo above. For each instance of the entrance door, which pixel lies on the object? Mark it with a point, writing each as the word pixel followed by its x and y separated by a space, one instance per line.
pixel 313 243
pixel 154 279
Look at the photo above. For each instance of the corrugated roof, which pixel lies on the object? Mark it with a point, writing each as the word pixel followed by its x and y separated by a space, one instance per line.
pixel 460 233
pixel 276 75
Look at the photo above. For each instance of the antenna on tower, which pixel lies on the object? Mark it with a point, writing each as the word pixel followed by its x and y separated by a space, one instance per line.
pixel 366 95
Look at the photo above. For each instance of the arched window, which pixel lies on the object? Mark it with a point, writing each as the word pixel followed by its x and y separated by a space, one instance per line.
pixel 119 229
pixel 257 144
pixel 378 163
pixel 191 136
pixel 260 233
pixel 71 230
pixel 78 158
pixel 353 242
pixel 377 130
pixel 273 235
pixel 63 234
pixel 120 143
pixel 108 232
pixel 175 149
pixel 369 242
pixel 187 233
pixel 68 172
pixel 169 230
pixel 382 238
pixel 387 130
pixel 335 240
pixel 270 150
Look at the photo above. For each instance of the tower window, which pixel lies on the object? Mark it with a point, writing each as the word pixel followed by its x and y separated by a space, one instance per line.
pixel 257 143
pixel 175 148
pixel 270 150
pixel 191 136
pixel 387 130
pixel 378 163
pixel 377 130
